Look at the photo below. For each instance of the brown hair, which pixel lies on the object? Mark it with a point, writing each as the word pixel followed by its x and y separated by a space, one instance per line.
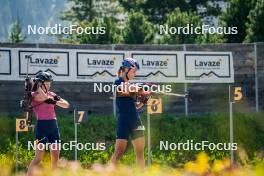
pixel 120 71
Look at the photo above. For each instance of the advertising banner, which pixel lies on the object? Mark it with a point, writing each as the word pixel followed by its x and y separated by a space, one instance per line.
pixel 76 65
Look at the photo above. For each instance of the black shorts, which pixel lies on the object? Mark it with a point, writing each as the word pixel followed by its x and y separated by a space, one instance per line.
pixel 125 128
pixel 47 131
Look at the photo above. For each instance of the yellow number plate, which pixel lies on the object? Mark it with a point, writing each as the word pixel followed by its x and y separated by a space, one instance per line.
pixel 154 106
pixel 21 125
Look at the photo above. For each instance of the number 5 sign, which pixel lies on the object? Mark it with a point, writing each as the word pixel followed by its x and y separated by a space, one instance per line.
pixel 21 125
pixel 154 106
pixel 238 94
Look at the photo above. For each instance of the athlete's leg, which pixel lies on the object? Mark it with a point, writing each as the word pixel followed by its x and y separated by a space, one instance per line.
pixel 120 147
pixel 55 154
pixel 139 145
pixel 122 135
pixel 39 153
pixel 54 139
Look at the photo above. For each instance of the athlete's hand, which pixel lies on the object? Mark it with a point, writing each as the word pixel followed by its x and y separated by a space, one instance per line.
pixel 144 99
pixel 50 101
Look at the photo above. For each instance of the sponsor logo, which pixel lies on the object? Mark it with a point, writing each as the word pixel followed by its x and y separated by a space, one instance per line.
pixel 56 62
pixel 211 64
pixel 39 60
pixel 156 63
pixel 100 62
pixel 207 65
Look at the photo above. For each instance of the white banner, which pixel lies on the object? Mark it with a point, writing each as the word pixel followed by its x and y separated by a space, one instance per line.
pixel 5 62
pixel 32 62
pixel 156 65
pixel 78 65
pixel 208 67
pixel 98 65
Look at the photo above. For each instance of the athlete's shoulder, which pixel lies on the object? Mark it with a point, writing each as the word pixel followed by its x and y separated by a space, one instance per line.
pixel 52 93
pixel 33 94
pixel 118 81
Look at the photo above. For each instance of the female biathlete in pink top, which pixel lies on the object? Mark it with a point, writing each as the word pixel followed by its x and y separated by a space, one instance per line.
pixel 44 102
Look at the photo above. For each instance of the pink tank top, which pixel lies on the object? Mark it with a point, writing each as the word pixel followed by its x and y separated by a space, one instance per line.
pixel 43 110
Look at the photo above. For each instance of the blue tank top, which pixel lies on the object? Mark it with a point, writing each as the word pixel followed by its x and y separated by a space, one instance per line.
pixel 126 107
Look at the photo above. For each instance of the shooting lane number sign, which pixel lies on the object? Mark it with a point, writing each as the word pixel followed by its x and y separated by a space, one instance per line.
pixel 21 125
pixel 154 106
pixel 238 95
pixel 82 116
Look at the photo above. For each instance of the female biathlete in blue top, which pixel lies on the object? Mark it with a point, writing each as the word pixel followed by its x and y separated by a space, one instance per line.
pixel 129 123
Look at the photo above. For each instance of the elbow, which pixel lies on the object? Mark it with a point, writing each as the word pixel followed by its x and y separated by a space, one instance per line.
pixel 67 105
pixel 63 104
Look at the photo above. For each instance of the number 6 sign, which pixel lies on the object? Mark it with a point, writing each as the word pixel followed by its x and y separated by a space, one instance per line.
pixel 154 106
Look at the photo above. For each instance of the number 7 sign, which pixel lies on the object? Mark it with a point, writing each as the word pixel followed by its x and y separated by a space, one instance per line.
pixel 82 115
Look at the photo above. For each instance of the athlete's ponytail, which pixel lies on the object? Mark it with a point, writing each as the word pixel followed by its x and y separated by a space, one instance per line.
pixel 120 71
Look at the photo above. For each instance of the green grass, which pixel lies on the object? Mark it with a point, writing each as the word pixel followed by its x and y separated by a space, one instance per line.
pixel 248 133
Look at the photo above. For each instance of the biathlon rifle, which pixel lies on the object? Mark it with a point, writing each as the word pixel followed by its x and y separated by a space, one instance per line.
pixel 26 102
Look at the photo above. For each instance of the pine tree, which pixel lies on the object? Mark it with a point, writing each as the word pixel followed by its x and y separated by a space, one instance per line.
pixel 255 27
pixel 16 35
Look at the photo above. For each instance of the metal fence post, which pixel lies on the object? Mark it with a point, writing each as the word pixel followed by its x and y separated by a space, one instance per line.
pixel 256 78
pixel 75 135
pixel 231 130
pixel 185 91
pixel 149 138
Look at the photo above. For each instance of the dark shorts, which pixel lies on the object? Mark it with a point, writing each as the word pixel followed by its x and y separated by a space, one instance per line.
pixel 47 131
pixel 125 128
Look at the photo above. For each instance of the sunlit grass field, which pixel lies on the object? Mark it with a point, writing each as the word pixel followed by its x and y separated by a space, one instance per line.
pixel 200 166
pixel 248 133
